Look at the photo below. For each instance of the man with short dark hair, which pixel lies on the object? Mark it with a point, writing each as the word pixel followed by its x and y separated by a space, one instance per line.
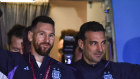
pixel 15 38
pixel 92 41
pixel 36 64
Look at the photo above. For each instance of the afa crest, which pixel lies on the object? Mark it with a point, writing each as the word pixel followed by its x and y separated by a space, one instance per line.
pixel 56 73
pixel 107 75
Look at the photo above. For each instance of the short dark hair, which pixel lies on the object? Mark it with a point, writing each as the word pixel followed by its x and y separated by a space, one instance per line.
pixel 44 19
pixel 17 30
pixel 90 26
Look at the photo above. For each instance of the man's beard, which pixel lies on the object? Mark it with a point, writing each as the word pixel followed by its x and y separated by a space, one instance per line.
pixel 42 51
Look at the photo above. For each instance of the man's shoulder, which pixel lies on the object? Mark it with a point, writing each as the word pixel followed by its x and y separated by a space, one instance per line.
pixel 123 64
pixel 55 62
pixel 121 67
pixel 79 62
pixel 126 69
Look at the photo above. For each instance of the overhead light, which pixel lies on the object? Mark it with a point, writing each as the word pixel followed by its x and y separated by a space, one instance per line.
pixel 16 0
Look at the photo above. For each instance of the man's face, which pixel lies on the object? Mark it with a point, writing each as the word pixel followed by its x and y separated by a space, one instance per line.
pixel 93 47
pixel 43 38
pixel 16 44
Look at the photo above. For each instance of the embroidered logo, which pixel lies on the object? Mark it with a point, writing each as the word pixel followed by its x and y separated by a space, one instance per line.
pixel 107 75
pixel 56 73
pixel 26 68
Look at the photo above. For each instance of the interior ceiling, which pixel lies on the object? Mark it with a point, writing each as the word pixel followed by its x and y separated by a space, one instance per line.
pixel 78 0
pixel 62 0
pixel 41 0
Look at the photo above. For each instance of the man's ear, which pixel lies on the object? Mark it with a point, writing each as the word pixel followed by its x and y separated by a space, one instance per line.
pixel 30 36
pixel 81 44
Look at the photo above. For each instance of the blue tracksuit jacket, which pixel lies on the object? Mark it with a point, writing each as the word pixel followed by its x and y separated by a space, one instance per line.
pixel 108 70
pixel 17 66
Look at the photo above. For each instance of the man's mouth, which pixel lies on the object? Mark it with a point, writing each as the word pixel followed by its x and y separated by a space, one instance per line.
pixel 45 45
pixel 98 54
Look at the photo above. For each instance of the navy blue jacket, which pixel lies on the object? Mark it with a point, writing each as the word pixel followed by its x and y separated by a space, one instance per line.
pixel 17 66
pixel 108 70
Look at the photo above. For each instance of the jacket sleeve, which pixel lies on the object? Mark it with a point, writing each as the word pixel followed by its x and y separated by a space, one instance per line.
pixel 128 71
pixel 4 61
pixel 134 72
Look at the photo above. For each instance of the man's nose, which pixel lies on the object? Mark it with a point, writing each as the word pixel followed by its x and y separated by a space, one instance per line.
pixel 99 47
pixel 47 39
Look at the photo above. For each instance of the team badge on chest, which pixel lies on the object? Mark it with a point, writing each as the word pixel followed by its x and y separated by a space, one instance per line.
pixel 107 75
pixel 56 73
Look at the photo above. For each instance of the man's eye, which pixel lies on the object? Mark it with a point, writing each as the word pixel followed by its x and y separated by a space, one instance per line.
pixel 93 43
pixel 16 50
pixel 51 35
pixel 104 42
pixel 41 33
